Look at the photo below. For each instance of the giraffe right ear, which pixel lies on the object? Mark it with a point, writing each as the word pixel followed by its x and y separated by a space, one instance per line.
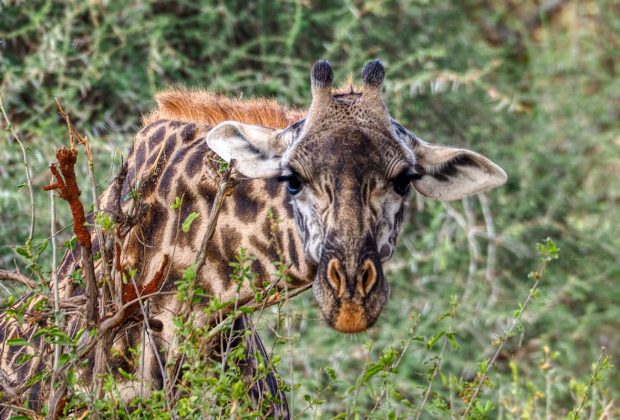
pixel 256 150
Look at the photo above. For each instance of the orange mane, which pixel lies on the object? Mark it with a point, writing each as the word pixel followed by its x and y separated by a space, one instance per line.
pixel 203 107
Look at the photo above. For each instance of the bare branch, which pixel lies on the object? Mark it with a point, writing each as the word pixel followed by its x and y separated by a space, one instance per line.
pixel 32 414
pixel 26 167
pixel 18 277
pixel 57 346
pixel 186 306
pixel 491 246
pixel 504 338
pixel 427 393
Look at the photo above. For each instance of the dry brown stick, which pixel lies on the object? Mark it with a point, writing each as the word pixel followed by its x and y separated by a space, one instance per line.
pixel 91 173
pixel 31 413
pixel 18 277
pixel 9 393
pixel 26 167
pixel 66 184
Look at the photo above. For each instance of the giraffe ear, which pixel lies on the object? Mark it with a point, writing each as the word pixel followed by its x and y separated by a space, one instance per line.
pixel 447 173
pixel 256 150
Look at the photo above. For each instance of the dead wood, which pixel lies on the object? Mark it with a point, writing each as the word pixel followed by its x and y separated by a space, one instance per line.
pixel 18 277
pixel 66 184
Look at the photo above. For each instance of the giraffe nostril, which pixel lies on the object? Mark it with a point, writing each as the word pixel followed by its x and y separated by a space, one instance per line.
pixel 366 277
pixel 335 277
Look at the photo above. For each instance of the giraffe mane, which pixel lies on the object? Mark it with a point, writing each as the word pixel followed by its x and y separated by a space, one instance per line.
pixel 199 106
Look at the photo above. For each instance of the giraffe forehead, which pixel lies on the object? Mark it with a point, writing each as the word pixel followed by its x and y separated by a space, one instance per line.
pixel 356 152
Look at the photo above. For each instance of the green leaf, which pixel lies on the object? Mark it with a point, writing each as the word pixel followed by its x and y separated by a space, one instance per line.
pixel 71 243
pixel 189 274
pixel 434 339
pixel 188 221
pixel 23 251
pixel 548 250
pixel 223 165
pixel 63 359
pixel 71 378
pixel 246 310
pixel 35 378
pixel 42 247
pixel 24 358
pixel 18 342
pixel 177 203
pixel 105 221
pixel 452 341
pixel 372 370
pixel 125 374
pixel 331 372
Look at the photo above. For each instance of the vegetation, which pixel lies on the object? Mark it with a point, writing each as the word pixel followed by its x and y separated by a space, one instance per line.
pixel 473 324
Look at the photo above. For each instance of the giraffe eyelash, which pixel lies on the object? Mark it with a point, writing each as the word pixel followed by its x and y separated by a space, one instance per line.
pixel 288 177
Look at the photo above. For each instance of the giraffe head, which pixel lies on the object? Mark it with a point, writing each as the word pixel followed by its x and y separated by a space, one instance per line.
pixel 349 168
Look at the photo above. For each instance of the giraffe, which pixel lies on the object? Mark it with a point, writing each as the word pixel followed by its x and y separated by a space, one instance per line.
pixel 336 178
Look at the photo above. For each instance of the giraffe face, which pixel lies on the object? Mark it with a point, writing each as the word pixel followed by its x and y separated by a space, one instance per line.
pixel 349 169
pixel 349 201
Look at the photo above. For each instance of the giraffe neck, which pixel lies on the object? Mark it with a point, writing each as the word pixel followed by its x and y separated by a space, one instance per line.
pixel 256 216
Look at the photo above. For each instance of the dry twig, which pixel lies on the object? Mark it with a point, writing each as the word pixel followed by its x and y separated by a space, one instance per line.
pixel 18 277
pixel 26 167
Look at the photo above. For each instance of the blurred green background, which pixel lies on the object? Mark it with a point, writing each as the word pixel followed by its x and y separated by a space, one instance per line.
pixel 531 84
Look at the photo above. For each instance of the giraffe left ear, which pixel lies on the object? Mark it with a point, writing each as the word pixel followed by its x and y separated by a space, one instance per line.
pixel 448 173
pixel 256 150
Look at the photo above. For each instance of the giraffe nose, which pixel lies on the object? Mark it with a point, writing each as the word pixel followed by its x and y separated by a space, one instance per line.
pixel 336 277
pixel 365 277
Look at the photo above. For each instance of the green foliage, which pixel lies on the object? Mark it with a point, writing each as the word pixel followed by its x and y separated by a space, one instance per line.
pixel 534 90
pixel 187 223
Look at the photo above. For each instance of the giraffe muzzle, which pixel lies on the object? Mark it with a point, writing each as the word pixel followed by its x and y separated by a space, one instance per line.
pixel 351 300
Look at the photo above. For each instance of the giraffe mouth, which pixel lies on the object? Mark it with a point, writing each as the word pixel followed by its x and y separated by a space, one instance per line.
pixel 351 318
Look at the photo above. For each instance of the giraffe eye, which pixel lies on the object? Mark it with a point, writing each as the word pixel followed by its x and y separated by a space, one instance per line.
pixel 402 183
pixel 294 184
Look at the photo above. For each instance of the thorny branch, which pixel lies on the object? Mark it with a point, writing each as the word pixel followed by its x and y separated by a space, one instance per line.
pixel 184 312
pixel 504 338
pixel 593 379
